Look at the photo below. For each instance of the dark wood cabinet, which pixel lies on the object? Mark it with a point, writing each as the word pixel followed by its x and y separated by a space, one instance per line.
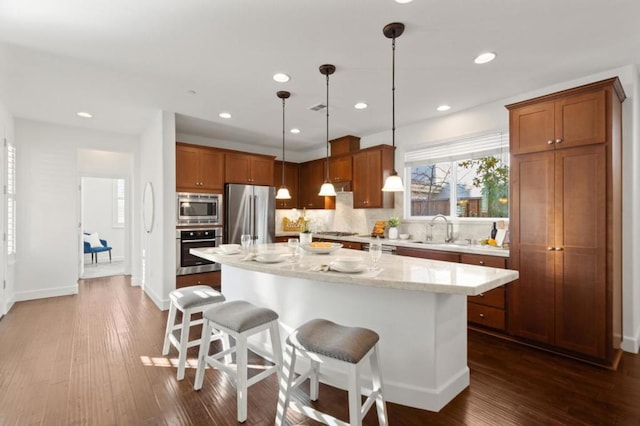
pixel 565 233
pixel 371 167
pixel 212 279
pixel 447 256
pixel 199 169
pixel 487 309
pixel 291 177
pixel 251 169
pixel 340 168
pixel 312 175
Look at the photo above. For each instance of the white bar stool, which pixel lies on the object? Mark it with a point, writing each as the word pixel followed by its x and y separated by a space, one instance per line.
pixel 319 340
pixel 189 300
pixel 239 319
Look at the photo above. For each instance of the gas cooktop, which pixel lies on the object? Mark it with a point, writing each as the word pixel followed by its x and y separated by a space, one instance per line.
pixel 336 233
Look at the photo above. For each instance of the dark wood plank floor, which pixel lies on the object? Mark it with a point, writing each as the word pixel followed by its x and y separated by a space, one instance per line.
pixel 95 358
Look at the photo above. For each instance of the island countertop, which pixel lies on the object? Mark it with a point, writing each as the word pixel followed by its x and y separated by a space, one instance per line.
pixel 394 272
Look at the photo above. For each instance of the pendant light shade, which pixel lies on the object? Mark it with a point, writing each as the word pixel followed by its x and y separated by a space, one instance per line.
pixel 327 189
pixel 393 183
pixel 283 192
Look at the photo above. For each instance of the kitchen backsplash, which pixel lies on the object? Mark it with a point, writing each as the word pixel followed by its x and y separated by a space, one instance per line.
pixel 347 219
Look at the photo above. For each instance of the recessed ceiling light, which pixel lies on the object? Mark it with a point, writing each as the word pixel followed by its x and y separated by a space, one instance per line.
pixel 403 1
pixel 281 77
pixel 443 108
pixel 224 115
pixel 296 131
pixel 483 58
pixel 84 114
pixel 360 105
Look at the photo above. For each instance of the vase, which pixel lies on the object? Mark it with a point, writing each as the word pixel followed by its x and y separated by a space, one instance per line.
pixel 306 237
pixel 393 233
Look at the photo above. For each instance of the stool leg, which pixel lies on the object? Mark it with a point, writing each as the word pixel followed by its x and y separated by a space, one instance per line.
pixel 355 401
pixel 241 385
pixel 171 318
pixel 276 345
pixel 203 353
pixel 225 346
pixel 184 340
pixel 284 393
pixel 314 385
pixel 376 376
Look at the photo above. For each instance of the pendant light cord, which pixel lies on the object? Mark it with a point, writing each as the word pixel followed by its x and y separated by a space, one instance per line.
pixel 282 141
pixel 327 159
pixel 393 101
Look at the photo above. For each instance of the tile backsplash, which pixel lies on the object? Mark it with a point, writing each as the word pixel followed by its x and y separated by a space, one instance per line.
pixel 347 219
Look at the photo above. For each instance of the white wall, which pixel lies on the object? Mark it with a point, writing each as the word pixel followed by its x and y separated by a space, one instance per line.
pixel 48 213
pixel 158 248
pixel 98 209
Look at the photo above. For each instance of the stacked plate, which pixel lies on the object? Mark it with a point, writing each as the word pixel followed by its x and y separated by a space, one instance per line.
pixel 348 265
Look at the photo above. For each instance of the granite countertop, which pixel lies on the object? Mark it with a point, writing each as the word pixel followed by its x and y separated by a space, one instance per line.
pixel 395 272
pixel 452 247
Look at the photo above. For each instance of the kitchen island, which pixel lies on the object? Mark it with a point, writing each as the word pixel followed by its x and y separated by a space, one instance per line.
pixel 417 306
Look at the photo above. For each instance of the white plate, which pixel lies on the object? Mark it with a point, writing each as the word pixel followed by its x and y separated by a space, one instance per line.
pixel 321 250
pixel 350 270
pixel 228 252
pixel 263 260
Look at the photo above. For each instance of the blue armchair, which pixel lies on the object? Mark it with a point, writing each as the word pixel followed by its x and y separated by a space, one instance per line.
pixel 95 250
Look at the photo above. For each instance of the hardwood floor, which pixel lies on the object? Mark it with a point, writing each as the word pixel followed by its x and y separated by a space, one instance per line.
pixel 95 358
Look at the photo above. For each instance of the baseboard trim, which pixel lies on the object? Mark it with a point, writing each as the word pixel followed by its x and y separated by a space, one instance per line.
pixel 163 305
pixel 44 293
pixel 631 343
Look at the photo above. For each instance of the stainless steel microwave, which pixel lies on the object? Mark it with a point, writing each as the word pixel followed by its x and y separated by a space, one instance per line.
pixel 198 209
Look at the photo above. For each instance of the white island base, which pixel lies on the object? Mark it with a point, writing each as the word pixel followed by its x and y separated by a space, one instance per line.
pixel 423 335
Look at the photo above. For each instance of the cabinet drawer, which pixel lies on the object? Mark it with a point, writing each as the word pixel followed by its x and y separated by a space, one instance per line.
pixel 493 298
pixel 479 259
pixel 486 316
pixel 351 245
pixel 212 279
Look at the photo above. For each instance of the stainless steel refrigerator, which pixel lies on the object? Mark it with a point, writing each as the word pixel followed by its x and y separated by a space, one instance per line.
pixel 249 209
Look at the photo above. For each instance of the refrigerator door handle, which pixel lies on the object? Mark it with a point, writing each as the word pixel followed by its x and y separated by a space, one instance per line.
pixel 253 218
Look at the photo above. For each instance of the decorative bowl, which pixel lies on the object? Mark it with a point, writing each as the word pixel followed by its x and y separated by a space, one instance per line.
pixel 321 247
pixel 405 236
pixel 348 263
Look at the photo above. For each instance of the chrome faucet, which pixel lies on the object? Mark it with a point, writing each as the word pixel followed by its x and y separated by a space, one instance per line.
pixel 449 228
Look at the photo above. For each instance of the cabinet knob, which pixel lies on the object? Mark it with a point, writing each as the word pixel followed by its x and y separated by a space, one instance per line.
pixel 550 249
pixel 559 140
pixel 481 315
pixel 559 249
pixel 481 295
pixel 549 142
pixel 481 262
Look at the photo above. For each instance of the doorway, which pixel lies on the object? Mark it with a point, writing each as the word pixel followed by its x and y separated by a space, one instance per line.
pixel 104 226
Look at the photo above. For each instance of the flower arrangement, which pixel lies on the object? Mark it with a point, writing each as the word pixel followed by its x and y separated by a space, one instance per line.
pixel 393 221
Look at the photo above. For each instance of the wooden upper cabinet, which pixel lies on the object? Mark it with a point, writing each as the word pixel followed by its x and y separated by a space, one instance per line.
pixel 291 176
pixel 312 175
pixel 371 166
pixel 199 169
pixel 248 168
pixel 562 120
pixel 340 168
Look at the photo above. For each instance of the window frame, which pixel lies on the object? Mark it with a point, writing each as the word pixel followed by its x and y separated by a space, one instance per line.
pixel 117 198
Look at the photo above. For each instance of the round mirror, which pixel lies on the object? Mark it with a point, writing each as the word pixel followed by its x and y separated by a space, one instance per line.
pixel 148 207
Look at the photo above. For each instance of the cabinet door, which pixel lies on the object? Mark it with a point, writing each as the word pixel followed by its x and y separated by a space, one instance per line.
pixel 212 169
pixel 531 307
pixel 312 174
pixel 290 180
pixel 581 120
pixel 370 168
pixel 360 176
pixel 531 128
pixel 237 168
pixel 261 171
pixel 187 168
pixel 340 168
pixel 580 256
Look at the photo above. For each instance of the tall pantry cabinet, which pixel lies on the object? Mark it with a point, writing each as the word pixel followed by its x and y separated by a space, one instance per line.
pixel 565 221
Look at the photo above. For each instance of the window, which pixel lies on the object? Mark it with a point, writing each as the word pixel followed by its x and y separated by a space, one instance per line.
pixel 118 203
pixel 467 177
pixel 11 199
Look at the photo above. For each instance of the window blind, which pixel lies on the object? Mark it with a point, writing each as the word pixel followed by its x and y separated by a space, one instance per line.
pixel 465 148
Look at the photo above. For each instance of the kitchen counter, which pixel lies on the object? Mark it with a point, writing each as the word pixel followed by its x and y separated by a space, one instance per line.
pixel 417 306
pixel 441 246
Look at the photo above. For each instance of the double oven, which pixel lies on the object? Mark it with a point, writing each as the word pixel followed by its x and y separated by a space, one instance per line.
pixel 199 225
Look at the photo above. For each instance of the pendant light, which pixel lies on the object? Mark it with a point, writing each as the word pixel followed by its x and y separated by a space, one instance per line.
pixel 327 189
pixel 393 183
pixel 283 192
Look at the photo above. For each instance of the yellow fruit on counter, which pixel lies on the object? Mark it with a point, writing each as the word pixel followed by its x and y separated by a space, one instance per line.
pixel 492 242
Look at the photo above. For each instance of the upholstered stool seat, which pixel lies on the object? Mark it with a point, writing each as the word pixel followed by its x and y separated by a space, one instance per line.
pixel 239 319
pixel 319 340
pixel 189 300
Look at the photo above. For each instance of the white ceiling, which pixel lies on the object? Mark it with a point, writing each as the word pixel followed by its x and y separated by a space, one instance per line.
pixel 123 60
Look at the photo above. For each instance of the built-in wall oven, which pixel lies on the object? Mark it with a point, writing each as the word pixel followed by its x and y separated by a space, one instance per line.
pixel 186 239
